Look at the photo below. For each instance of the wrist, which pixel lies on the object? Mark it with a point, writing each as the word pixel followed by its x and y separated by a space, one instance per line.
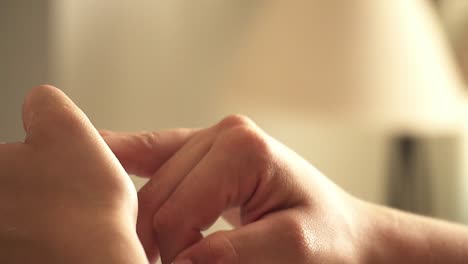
pixel 390 237
pixel 382 237
pixel 393 236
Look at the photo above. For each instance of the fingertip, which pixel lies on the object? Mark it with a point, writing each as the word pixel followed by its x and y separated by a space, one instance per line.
pixel 38 93
pixel 49 115
pixel 105 133
pixel 215 248
pixel 33 99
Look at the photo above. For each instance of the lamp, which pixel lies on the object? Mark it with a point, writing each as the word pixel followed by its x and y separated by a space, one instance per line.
pixel 454 14
pixel 383 65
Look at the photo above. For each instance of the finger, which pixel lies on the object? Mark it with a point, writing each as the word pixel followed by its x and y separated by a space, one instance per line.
pixel 59 132
pixel 170 223
pixel 276 239
pixel 50 117
pixel 163 183
pixel 143 153
pixel 236 171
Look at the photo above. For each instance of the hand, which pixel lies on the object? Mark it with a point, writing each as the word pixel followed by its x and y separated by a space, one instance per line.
pixel 284 210
pixel 64 198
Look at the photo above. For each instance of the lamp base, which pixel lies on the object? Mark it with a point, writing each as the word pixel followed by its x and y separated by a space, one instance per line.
pixel 424 175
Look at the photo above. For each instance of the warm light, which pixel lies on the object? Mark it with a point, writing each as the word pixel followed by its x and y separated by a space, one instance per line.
pixel 380 63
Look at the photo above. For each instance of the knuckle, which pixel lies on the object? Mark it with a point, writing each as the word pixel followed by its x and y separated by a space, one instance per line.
pixel 251 143
pixel 248 138
pixel 253 149
pixel 242 134
pixel 151 141
pixel 298 236
pixel 234 121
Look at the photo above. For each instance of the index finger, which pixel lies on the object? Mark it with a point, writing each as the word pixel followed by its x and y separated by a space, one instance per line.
pixel 142 153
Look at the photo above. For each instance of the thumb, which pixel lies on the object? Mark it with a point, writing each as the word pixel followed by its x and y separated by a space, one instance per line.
pixel 267 241
pixel 50 117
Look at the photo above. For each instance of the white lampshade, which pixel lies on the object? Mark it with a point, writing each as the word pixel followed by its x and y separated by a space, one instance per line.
pixel 380 63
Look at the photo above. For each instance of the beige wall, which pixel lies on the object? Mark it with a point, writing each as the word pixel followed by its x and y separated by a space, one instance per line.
pixel 24 60
pixel 149 64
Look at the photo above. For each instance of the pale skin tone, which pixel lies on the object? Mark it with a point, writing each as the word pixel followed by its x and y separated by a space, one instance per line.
pixel 65 198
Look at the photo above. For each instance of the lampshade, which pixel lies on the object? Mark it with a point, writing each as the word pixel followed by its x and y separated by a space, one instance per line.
pixel 454 14
pixel 385 64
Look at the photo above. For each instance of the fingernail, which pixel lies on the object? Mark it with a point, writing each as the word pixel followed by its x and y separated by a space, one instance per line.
pixel 184 261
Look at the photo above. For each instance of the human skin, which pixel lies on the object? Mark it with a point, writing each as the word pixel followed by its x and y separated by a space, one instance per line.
pixel 64 197
pixel 282 208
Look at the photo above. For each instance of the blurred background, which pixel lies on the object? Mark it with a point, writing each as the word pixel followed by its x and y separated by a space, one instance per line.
pixel 373 93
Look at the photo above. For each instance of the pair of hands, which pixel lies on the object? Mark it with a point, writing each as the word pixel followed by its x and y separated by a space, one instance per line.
pixel 66 198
